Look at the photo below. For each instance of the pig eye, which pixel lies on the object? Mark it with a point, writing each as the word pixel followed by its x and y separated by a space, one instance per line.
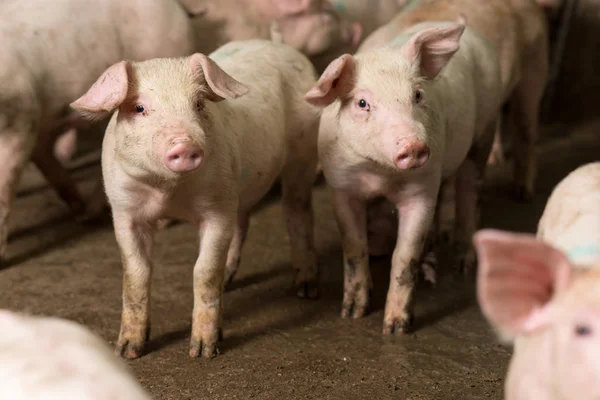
pixel 139 108
pixel 583 330
pixel 362 104
pixel 199 105
pixel 418 96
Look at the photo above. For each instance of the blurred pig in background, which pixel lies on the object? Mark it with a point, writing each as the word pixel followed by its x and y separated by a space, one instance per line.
pixel 52 51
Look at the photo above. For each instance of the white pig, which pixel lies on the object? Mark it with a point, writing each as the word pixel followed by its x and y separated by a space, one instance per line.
pixel 52 358
pixel 202 139
pixel 399 120
pixel 310 26
pixel 52 51
pixel 543 294
pixel 371 14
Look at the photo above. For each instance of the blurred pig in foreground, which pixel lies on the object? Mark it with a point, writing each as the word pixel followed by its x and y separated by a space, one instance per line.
pixel 52 358
pixel 543 294
pixel 311 26
pixel 202 139
pixel 52 51
pixel 398 122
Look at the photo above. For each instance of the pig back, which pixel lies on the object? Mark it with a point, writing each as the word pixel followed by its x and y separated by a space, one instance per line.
pixel 273 113
pixel 571 219
pixel 59 55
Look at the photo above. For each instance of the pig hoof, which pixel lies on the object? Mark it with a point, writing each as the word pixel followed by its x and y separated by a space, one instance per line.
pixel 353 310
pixel 127 350
pixel 523 195
pixel 398 326
pixel 308 290
pixel 204 350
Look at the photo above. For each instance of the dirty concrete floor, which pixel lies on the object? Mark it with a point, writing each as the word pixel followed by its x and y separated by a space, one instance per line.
pixel 276 345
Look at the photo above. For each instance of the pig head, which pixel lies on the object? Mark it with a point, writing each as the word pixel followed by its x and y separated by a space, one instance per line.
pixel 549 308
pixel 387 104
pixel 163 122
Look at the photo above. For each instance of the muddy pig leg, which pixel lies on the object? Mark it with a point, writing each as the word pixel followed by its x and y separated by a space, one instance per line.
pixel 351 216
pixel 135 243
pixel 235 249
pixel 216 234
pixel 416 218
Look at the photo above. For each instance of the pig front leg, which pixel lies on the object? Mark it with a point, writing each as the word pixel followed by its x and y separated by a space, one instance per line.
pixel 14 155
pixel 351 216
pixel 235 249
pixel 216 234
pixel 135 243
pixel 416 217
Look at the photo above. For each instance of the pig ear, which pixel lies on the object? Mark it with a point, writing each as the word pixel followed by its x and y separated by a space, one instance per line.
pixel 336 81
pixel 517 277
pixel 432 48
pixel 222 85
pixel 106 94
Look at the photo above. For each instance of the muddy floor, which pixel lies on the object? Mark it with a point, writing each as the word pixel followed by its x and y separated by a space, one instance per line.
pixel 276 346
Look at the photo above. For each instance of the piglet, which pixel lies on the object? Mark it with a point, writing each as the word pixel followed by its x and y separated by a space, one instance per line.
pixel 398 121
pixel 517 30
pixel 202 139
pixel 52 358
pixel 543 294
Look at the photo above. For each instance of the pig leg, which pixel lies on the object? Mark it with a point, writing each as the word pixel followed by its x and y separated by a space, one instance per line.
pixel 135 243
pixel 59 178
pixel 216 234
pixel 524 108
pixel 497 154
pixel 469 180
pixel 14 156
pixel 235 249
pixel 65 146
pixel 351 216
pixel 467 194
pixel 416 218
pixel 297 181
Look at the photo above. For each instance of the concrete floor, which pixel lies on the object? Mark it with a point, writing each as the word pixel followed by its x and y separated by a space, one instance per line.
pixel 275 345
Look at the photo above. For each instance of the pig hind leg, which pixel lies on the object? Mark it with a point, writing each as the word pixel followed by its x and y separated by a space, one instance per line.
pixel 524 106
pixel 469 180
pixel 235 249
pixel 297 180
pixel 58 176
pixel 14 156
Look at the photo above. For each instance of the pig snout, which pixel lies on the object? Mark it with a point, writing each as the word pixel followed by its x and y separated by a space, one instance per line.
pixel 412 155
pixel 184 156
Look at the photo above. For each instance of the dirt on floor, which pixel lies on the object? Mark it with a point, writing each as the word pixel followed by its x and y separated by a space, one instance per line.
pixel 276 346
